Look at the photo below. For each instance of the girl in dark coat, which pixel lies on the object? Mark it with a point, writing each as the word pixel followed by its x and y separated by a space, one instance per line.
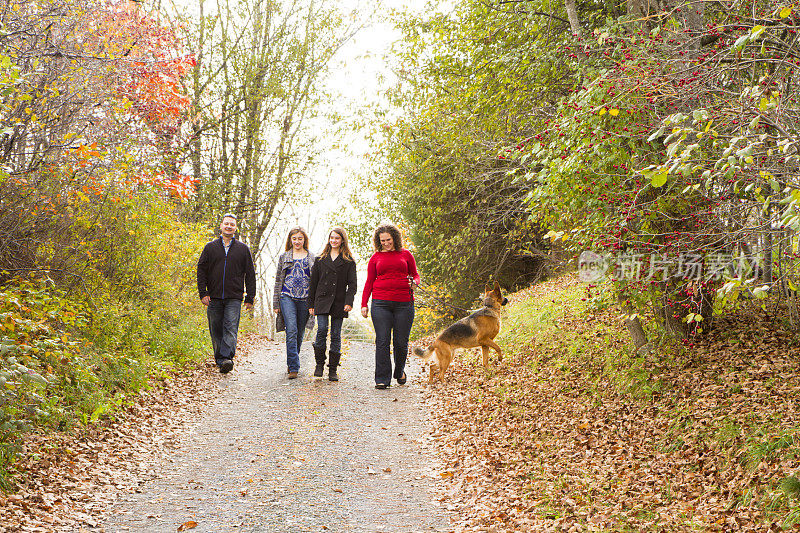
pixel 330 298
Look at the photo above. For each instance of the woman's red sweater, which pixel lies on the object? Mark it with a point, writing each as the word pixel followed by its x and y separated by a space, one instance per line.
pixel 387 277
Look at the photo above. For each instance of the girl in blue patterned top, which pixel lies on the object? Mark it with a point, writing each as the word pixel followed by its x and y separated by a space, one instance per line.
pixel 290 295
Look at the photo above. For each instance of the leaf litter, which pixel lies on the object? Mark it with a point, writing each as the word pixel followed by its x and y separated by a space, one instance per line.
pixel 558 439
pixel 544 441
pixel 67 481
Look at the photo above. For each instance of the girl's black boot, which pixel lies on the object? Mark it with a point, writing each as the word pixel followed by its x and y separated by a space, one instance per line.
pixel 319 355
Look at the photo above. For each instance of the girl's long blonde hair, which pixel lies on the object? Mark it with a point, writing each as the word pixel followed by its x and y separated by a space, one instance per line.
pixel 344 248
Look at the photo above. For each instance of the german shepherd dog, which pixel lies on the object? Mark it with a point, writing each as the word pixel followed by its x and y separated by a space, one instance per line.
pixel 478 329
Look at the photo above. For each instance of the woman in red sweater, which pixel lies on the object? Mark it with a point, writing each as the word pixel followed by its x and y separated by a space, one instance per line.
pixel 391 274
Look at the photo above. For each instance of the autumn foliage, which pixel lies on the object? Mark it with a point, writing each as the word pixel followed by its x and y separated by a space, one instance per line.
pixel 90 171
pixel 570 432
pixel 90 125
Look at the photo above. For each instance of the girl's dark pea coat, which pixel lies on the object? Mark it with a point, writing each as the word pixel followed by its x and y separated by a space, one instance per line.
pixel 333 285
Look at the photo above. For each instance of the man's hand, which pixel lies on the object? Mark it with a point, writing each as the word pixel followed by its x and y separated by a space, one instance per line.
pixel 206 300
pixel 277 310
pixel 248 306
pixel 364 312
pixel 348 308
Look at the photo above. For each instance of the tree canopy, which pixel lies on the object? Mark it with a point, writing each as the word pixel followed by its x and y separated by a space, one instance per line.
pixel 660 137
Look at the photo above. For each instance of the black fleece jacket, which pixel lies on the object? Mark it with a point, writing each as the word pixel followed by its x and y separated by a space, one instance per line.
pixel 221 276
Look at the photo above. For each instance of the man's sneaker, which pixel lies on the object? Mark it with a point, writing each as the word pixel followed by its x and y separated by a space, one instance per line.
pixel 292 375
pixel 225 366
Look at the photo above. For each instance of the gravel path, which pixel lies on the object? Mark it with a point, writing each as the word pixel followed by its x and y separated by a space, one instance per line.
pixel 274 455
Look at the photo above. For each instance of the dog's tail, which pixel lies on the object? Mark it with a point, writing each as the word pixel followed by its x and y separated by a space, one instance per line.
pixel 426 354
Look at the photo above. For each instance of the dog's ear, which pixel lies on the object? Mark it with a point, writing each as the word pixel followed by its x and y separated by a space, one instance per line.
pixel 497 290
pixel 487 289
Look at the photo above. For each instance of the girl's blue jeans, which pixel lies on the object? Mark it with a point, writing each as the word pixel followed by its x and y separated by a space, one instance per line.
pixel 295 316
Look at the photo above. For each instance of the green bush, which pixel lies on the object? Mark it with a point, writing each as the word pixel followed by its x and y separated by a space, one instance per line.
pixel 74 349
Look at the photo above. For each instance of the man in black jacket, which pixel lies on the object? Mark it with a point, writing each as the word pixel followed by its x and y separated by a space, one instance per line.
pixel 224 269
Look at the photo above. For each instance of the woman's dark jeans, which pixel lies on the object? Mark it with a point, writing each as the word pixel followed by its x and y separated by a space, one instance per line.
pixel 322 333
pixel 392 321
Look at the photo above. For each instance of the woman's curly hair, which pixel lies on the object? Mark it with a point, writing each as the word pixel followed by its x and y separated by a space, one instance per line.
pixel 392 230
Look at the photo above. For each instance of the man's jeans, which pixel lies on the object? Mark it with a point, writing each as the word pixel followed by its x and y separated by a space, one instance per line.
pixel 322 333
pixel 392 321
pixel 295 316
pixel 223 324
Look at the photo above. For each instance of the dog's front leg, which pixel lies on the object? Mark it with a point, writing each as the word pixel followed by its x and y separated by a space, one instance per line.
pixel 493 345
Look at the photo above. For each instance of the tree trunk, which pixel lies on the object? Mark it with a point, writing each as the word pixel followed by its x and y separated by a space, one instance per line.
pixel 572 15
pixel 634 325
pixel 769 245
pixel 574 24
pixel 640 8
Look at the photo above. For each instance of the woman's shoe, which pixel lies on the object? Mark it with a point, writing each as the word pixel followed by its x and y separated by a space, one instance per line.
pixel 225 366
pixel 402 381
pixel 381 386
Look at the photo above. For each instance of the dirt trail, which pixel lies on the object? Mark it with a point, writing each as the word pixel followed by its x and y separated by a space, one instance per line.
pixel 276 455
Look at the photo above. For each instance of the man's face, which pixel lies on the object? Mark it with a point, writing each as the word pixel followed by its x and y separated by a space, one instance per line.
pixel 228 226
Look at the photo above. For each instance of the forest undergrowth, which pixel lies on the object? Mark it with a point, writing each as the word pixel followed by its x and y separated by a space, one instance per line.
pixel 572 432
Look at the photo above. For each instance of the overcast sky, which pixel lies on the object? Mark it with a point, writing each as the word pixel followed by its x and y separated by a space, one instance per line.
pixel 359 79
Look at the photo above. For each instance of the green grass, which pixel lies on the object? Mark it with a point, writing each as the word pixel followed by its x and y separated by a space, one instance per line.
pixel 538 322
pixel 536 317
pixel 764 447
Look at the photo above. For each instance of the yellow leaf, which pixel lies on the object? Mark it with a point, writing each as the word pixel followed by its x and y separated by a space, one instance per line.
pixel 602 111
pixel 786 11
pixel 446 475
pixel 191 524
pixel 614 112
